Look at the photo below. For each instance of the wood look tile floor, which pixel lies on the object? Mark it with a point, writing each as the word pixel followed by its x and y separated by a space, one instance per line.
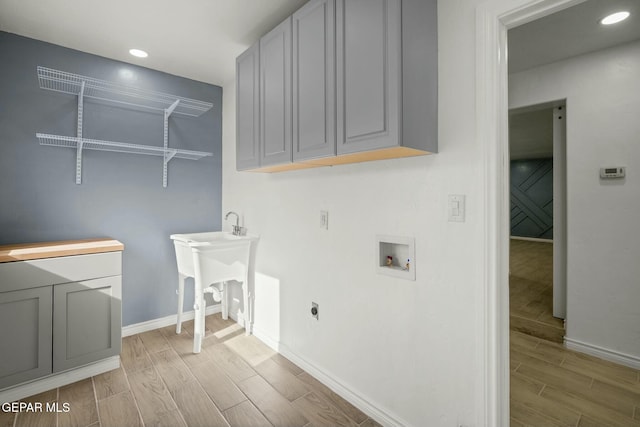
pixel 235 381
pixel 551 385
pixel 531 290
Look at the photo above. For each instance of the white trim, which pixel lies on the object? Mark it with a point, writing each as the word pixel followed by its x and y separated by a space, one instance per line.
pixel 603 353
pixel 21 391
pixel 150 325
pixel 531 239
pixel 356 399
pixel 265 338
pixel 493 18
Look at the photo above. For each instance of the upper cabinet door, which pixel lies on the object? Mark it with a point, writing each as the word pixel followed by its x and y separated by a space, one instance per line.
pixel 275 95
pixel 314 80
pixel 368 61
pixel 247 109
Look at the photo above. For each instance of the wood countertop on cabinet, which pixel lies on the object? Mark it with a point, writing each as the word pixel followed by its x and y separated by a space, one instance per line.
pixel 30 251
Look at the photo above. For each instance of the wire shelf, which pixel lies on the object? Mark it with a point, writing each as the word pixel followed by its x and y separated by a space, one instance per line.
pixel 62 81
pixel 119 147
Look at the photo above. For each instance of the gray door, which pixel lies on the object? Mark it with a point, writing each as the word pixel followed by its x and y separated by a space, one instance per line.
pixel 25 334
pixel 275 95
pixel 314 80
pixel 86 322
pixel 248 109
pixel 368 63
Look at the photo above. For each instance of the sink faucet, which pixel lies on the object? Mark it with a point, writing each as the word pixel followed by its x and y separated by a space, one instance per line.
pixel 237 230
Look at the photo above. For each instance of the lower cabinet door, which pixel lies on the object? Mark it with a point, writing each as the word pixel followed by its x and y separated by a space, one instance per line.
pixel 25 335
pixel 86 321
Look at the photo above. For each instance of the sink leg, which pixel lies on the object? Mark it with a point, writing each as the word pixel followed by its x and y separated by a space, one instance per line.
pixel 198 327
pixel 181 279
pixel 225 300
pixel 247 310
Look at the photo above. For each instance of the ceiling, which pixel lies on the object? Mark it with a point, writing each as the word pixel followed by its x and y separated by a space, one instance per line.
pixel 200 39
pixel 197 39
pixel 571 32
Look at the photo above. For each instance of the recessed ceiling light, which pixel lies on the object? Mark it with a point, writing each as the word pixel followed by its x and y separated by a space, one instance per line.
pixel 139 53
pixel 614 18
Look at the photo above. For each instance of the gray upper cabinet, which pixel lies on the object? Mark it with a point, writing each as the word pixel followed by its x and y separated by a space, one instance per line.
pixel 314 80
pixel 369 48
pixel 25 316
pixel 86 322
pixel 247 109
pixel 344 81
pixel 275 96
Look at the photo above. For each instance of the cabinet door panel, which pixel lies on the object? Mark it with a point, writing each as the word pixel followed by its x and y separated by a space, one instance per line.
pixel 275 95
pixel 368 63
pixel 86 322
pixel 314 80
pixel 247 109
pixel 25 335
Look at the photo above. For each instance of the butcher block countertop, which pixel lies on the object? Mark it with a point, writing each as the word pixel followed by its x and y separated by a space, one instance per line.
pixel 28 251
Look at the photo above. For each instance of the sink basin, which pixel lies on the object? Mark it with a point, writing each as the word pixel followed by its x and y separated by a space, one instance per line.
pixel 209 241
pixel 212 258
pixel 208 237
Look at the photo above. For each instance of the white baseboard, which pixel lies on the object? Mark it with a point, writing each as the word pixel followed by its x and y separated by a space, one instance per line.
pixel 373 411
pixel 532 239
pixel 265 338
pixel 21 391
pixel 149 325
pixel 603 353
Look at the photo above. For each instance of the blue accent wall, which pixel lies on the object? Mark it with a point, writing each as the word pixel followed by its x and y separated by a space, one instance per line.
pixel 121 195
pixel 532 198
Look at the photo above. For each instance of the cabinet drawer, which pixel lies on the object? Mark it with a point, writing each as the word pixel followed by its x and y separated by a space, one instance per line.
pixel 42 272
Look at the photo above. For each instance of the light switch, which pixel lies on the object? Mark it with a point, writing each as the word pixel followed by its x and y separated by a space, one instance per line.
pixel 456 208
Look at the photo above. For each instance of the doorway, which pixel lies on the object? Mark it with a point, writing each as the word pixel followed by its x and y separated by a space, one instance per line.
pixel 494 18
pixel 537 194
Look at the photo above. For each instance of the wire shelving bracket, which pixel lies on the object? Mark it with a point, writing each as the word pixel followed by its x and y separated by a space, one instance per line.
pixel 89 87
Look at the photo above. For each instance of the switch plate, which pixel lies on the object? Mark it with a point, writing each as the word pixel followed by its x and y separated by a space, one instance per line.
pixel 324 220
pixel 456 207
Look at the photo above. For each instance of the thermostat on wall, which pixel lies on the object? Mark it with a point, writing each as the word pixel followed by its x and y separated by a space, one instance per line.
pixel 614 172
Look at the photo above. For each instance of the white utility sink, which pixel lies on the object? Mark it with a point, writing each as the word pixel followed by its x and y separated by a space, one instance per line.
pixel 212 259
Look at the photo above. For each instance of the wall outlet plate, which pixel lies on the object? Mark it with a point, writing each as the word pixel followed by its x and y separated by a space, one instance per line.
pixel 456 207
pixel 324 220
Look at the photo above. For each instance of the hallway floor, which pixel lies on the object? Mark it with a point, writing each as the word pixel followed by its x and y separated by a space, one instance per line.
pixel 551 385
pixel 531 290
pixel 235 381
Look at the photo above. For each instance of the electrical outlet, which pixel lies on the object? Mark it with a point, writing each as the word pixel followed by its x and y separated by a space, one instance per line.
pixel 314 310
pixel 324 220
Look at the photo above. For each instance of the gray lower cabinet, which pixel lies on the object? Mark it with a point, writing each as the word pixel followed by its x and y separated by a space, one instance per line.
pixel 275 96
pixel 314 128
pixel 86 322
pixel 369 48
pixel 25 334
pixel 58 314
pixel 247 109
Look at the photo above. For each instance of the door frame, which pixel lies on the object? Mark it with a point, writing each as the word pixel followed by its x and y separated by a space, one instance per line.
pixel 493 19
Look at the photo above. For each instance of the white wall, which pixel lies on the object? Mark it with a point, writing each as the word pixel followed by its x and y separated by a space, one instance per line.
pixel 603 105
pixel 408 348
